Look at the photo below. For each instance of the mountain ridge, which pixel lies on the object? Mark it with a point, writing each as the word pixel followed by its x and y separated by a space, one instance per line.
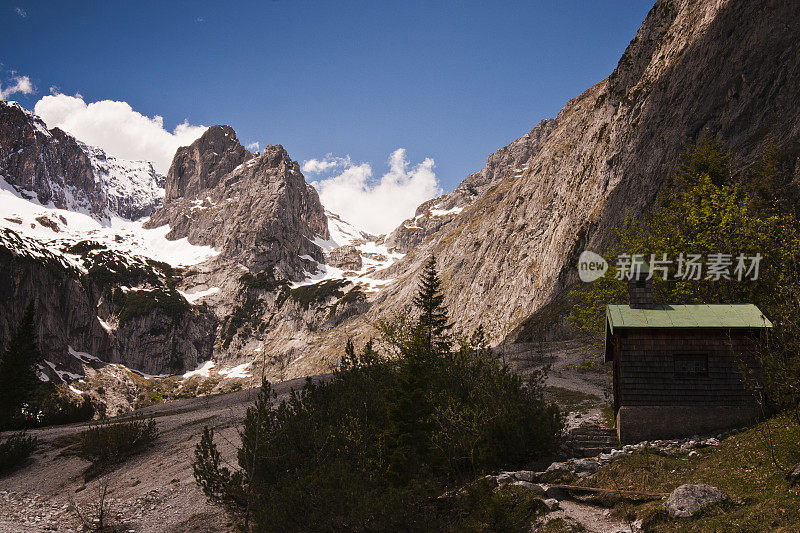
pixel 289 283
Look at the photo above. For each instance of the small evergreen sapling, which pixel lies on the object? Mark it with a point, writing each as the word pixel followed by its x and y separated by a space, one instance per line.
pixel 433 320
pixel 18 378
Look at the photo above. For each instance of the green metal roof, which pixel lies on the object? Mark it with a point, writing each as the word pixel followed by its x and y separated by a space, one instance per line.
pixel 687 316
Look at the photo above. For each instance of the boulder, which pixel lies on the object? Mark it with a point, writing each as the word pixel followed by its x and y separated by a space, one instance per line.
pixel 586 466
pixel 687 500
pixel 527 475
pixel 504 477
pixel 551 503
pixel 557 467
pixel 539 490
pixel 555 493
pixel 794 475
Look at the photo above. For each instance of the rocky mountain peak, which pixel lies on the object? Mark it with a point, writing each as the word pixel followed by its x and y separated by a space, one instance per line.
pixel 48 163
pixel 258 211
pixel 199 166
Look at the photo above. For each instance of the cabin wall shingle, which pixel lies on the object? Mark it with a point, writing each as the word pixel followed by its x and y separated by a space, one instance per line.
pixel 646 371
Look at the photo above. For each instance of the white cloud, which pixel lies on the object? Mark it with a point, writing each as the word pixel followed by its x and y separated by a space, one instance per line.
pixel 253 147
pixel 117 128
pixel 329 162
pixel 21 12
pixel 22 84
pixel 377 206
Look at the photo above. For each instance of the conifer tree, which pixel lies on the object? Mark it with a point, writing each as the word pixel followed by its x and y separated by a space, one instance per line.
pixel 433 321
pixel 18 378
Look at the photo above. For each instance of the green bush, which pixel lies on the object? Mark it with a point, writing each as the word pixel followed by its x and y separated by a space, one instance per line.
pixel 374 447
pixel 245 313
pixel 15 451
pixel 482 507
pixel 84 247
pixel 56 408
pixel 107 444
pixel 264 280
pixel 356 294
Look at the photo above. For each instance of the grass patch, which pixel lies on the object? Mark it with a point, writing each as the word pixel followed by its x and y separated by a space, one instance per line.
pixel 571 400
pixel 305 295
pixel 140 303
pixel 608 416
pixel 15 451
pixel 741 466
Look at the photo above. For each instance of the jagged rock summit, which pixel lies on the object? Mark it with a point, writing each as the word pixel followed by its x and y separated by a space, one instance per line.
pixel 258 211
pixel 202 164
pixel 59 170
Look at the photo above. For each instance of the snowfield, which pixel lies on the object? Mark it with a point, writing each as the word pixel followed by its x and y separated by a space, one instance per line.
pixel 375 256
pixel 55 227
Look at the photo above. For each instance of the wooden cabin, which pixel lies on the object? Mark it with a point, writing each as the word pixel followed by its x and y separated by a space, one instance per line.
pixel 678 368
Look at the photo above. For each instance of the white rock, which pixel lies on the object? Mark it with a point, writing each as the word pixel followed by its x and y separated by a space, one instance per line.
pixel 687 500
pixel 551 503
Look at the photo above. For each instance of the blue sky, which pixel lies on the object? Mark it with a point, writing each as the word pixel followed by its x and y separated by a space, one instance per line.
pixel 452 81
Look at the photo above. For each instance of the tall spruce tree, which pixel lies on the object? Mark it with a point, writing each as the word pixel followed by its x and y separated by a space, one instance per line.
pixel 433 320
pixel 18 379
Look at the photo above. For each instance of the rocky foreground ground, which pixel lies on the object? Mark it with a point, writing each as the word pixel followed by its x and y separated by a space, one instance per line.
pixel 153 491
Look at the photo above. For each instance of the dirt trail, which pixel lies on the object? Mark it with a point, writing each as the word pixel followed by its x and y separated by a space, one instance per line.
pixel 589 516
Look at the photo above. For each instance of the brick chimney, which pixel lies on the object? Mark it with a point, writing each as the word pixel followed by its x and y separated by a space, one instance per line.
pixel 640 289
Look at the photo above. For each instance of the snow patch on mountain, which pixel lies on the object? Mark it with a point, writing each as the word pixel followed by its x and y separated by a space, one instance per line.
pixel 195 297
pixel 56 229
pixel 373 255
pixel 133 189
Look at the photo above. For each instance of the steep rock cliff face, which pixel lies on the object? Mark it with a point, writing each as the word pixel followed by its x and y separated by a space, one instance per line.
pixel 433 215
pixel 259 213
pixel 133 189
pixel 201 165
pixel 727 69
pixel 97 306
pixel 48 163
pixel 32 275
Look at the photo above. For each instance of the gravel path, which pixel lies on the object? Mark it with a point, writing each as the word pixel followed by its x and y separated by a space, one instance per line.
pixel 591 517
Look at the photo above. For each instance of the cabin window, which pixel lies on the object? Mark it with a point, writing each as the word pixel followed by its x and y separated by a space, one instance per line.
pixel 690 365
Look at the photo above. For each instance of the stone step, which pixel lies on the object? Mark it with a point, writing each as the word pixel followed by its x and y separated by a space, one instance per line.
pixel 590 441
pixel 591 452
